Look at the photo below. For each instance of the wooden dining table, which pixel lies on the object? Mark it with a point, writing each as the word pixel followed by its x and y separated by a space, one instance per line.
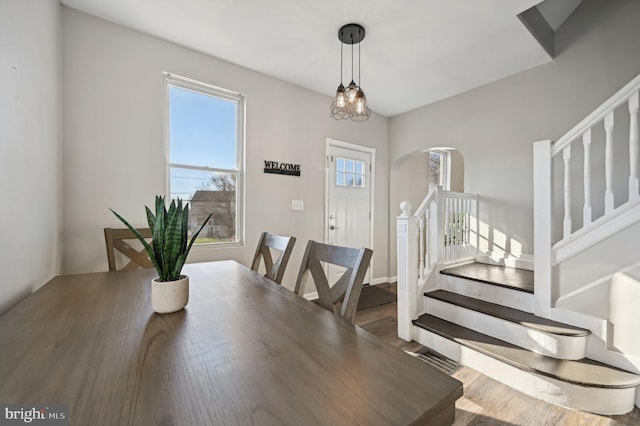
pixel 245 351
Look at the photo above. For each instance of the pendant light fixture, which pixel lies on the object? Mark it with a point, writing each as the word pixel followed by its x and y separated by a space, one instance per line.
pixel 350 102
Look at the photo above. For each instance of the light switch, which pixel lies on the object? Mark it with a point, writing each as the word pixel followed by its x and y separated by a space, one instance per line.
pixel 297 205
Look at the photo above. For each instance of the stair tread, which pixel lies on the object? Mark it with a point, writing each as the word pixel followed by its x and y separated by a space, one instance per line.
pixel 503 276
pixel 584 372
pixel 523 318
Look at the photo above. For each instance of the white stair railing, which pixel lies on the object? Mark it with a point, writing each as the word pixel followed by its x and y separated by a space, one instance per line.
pixel 440 232
pixel 458 211
pixel 575 237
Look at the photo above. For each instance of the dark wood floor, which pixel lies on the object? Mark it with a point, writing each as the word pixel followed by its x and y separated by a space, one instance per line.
pixel 486 401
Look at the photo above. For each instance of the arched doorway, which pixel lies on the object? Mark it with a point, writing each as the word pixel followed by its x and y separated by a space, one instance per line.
pixel 409 181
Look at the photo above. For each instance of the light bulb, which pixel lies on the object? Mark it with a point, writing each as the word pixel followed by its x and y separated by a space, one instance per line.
pixel 351 91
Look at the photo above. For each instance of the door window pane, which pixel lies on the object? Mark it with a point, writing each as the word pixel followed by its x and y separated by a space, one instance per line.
pixel 350 173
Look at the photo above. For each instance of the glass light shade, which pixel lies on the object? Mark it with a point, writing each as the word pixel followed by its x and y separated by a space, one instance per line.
pixel 359 110
pixel 351 92
pixel 339 105
pixel 341 100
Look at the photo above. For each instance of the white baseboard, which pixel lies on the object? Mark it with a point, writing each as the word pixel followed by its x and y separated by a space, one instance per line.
pixel 375 281
pixel 522 261
pixel 383 280
pixel 311 296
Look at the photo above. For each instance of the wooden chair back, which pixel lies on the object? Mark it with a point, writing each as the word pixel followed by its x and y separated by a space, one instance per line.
pixel 347 289
pixel 116 239
pixel 275 270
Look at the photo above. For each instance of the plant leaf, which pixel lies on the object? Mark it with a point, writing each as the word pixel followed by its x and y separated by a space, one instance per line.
pixel 144 242
pixel 158 237
pixel 169 230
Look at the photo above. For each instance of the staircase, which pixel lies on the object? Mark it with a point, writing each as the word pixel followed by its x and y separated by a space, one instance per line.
pixel 547 334
pixel 537 356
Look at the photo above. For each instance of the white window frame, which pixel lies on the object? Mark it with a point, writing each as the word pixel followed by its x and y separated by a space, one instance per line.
pixel 239 99
pixel 445 167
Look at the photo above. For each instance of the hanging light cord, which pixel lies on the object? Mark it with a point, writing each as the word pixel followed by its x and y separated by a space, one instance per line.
pixel 341 55
pixel 359 77
pixel 351 56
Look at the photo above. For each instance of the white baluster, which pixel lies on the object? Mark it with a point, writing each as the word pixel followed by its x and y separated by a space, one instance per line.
pixel 566 156
pixel 608 163
pixel 452 228
pixel 454 218
pixel 445 222
pixel 449 227
pixel 465 223
pixel 586 210
pixel 421 249
pixel 467 227
pixel 459 215
pixel 460 228
pixel 462 232
pixel 427 251
pixel 633 147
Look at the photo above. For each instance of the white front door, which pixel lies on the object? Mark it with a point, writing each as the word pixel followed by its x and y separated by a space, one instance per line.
pixel 349 213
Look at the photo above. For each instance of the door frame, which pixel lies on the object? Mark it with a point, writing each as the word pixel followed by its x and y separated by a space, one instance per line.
pixel 372 163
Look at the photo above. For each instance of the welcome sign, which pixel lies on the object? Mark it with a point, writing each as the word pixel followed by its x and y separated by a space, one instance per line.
pixel 281 168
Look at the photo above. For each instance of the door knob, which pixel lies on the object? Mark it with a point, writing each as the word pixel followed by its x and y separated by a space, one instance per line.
pixel 331 227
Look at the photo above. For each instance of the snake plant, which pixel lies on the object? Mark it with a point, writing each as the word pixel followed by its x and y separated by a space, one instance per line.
pixel 168 249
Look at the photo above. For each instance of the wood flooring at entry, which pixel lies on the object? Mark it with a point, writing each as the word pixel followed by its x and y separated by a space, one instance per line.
pixel 486 401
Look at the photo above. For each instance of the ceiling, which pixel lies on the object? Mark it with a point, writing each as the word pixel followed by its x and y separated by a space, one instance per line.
pixel 413 55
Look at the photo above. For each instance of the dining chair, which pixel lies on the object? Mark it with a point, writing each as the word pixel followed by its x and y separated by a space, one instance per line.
pixel 347 289
pixel 267 243
pixel 116 239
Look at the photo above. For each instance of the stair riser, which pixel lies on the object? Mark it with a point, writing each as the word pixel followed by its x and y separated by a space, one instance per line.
pixel 604 401
pixel 556 346
pixel 597 347
pixel 515 299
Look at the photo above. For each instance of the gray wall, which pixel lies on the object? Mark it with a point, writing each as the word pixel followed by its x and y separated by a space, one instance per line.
pixel 114 150
pixel 30 147
pixel 494 126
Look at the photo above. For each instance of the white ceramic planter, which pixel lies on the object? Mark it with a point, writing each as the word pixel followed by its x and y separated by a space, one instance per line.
pixel 169 296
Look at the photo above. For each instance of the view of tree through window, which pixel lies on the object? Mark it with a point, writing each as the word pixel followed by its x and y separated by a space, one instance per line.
pixel 438 169
pixel 205 142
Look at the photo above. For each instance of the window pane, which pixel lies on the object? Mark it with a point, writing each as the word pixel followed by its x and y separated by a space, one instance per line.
pixel 350 180
pixel 205 131
pixel 339 178
pixel 202 129
pixel 340 164
pixel 349 165
pixel 435 164
pixel 359 181
pixel 208 192
pixel 359 167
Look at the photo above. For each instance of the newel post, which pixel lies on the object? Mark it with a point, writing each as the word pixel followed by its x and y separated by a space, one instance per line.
pixel 407 234
pixel 542 214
